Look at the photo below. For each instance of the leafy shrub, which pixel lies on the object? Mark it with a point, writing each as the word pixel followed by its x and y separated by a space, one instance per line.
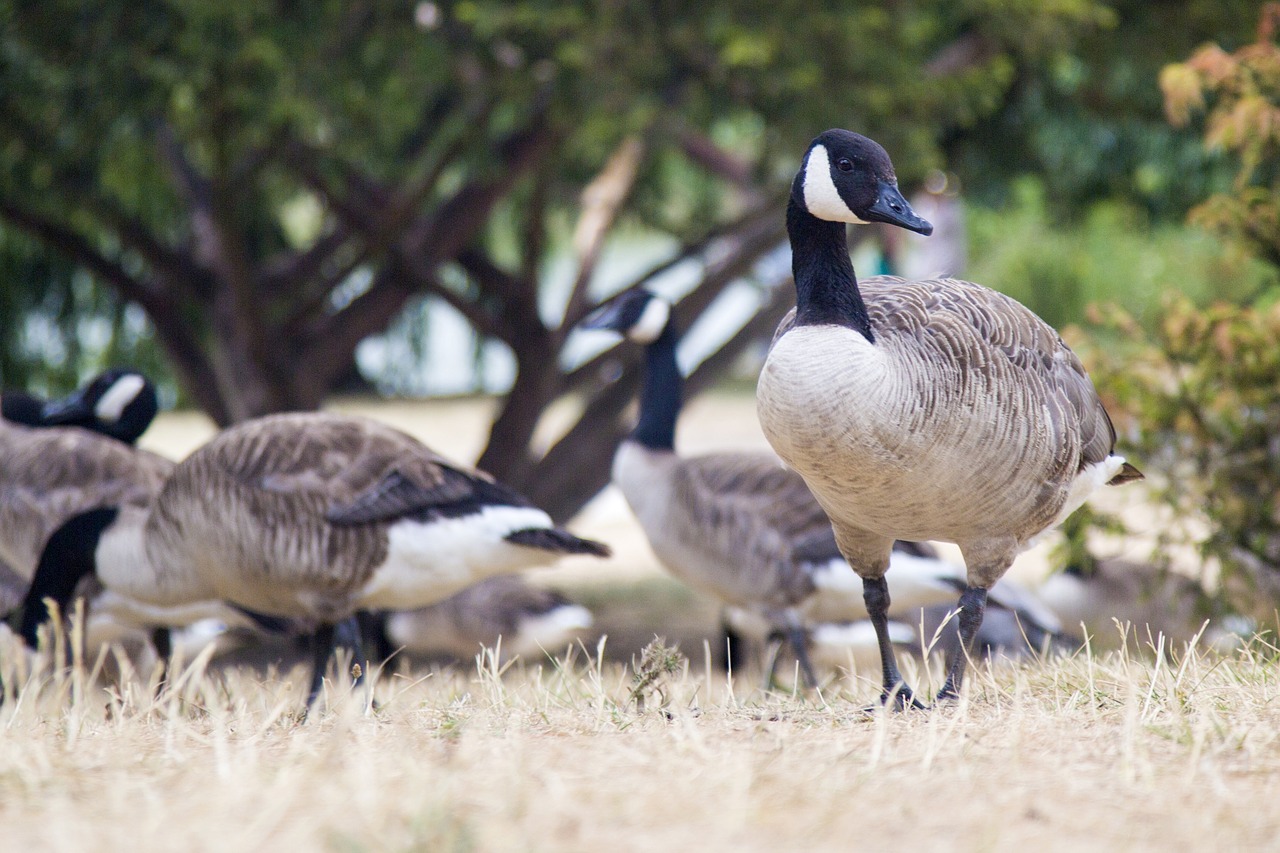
pixel 1197 401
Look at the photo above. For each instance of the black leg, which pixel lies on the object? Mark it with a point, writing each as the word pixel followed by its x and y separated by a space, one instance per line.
pixel 347 635
pixel 162 642
pixel 973 602
pixel 875 593
pixel 772 648
pixel 373 629
pixel 798 637
pixel 321 642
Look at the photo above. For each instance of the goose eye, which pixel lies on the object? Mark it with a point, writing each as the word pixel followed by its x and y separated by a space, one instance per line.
pixel 844 164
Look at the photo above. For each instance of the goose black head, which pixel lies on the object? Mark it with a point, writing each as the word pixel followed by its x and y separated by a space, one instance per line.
pixel 847 177
pixel 640 315
pixel 118 403
pixel 20 407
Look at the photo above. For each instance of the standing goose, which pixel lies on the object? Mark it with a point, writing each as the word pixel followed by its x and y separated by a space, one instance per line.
pixel 313 516
pixel 921 410
pixel 739 526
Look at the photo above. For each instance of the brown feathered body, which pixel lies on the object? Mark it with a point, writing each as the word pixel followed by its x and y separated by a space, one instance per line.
pixel 316 515
pixel 48 475
pixel 966 420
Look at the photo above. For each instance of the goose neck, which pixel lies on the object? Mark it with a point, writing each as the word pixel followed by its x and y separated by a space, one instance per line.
pixel 660 397
pixel 826 288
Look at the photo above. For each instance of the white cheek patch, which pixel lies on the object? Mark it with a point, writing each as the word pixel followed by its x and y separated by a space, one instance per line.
pixel 121 393
pixel 821 198
pixel 651 323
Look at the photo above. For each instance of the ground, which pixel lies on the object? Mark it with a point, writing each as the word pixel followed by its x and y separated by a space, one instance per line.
pixel 1104 750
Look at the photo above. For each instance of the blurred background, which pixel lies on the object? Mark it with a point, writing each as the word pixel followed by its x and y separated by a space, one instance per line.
pixel 269 205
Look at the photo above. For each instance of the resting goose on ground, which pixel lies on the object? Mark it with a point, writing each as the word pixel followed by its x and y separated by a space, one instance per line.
pixel 738 526
pixel 311 517
pixel 921 410
pixel 506 613
pixel 1111 598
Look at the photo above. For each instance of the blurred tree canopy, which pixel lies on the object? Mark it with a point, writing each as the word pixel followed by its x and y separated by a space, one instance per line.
pixel 271 183
pixel 1199 396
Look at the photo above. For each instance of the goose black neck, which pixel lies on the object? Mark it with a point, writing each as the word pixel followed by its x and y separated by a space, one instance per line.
pixel 826 288
pixel 661 396
pixel 67 558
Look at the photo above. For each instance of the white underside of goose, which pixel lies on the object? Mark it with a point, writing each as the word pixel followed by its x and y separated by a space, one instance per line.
pixel 429 561
pixel 550 631
pixel 913 582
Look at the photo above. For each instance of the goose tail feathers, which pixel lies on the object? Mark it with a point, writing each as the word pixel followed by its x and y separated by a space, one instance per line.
pixel 557 540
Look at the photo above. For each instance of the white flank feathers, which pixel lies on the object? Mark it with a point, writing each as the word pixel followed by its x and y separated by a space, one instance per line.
pixel 428 562
pixel 550 631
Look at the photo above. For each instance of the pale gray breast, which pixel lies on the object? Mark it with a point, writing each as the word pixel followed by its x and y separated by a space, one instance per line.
pixel 48 475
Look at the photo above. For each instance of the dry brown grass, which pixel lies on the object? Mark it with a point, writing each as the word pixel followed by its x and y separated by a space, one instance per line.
pixel 1115 752
pixel 1129 751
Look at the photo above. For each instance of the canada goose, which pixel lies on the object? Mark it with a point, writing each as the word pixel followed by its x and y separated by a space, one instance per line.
pixel 505 612
pixel 311 517
pixel 119 403
pixel 49 475
pixel 1114 596
pixel 921 410
pixel 738 526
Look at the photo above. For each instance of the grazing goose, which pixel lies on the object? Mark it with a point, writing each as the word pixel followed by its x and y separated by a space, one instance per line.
pixel 738 526
pixel 505 612
pixel 119 403
pixel 311 517
pixel 921 410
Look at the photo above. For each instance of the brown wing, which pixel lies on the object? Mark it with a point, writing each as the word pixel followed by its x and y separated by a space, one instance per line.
pixel 953 314
pixel 755 483
pixel 361 470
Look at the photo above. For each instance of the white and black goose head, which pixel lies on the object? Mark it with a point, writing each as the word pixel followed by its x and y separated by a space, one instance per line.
pixel 119 403
pixel 638 315
pixel 846 177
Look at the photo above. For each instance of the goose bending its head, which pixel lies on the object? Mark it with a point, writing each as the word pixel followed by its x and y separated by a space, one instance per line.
pixel 921 410
pixel 311 517
pixel 119 403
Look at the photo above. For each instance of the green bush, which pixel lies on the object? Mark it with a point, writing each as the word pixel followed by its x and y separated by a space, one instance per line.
pixel 1114 254
pixel 1196 400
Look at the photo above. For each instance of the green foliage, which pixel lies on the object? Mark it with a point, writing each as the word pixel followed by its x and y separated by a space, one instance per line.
pixel 1240 95
pixel 1090 123
pixel 1197 400
pixel 1114 253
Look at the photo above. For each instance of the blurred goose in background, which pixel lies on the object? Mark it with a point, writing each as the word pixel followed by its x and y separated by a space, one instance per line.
pixel 118 403
pixel 740 526
pixel 311 517
pixel 61 458
pixel 506 613
pixel 930 410
pixel 1145 601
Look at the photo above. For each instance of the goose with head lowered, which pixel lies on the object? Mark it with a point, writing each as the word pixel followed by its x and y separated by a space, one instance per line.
pixel 61 458
pixel 739 526
pixel 313 516
pixel 918 410
pixel 118 403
